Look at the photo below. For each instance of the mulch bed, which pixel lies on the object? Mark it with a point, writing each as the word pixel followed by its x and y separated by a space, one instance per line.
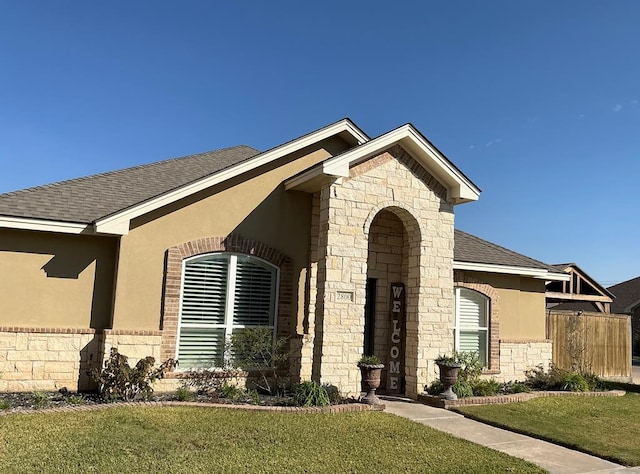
pixel 26 402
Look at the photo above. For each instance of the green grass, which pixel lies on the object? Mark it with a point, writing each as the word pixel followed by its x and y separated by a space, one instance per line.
pixel 607 427
pixel 184 439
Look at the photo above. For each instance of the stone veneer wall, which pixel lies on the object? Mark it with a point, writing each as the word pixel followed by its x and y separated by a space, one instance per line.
pixel 47 358
pixel 52 358
pixel 395 182
pixel 517 356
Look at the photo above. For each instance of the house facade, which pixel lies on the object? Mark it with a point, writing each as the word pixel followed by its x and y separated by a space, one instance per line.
pixel 341 243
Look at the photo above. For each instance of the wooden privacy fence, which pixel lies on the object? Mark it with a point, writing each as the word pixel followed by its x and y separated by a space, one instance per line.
pixel 599 343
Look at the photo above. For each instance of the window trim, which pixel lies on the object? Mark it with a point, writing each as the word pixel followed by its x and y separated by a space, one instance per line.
pixel 228 325
pixel 486 328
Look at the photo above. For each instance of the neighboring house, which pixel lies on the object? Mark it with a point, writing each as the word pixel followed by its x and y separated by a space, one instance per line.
pixel 340 242
pixel 627 301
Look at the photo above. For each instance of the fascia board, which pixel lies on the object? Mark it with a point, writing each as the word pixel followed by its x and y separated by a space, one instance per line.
pixel 460 187
pixel 511 270
pixel 119 223
pixel 45 225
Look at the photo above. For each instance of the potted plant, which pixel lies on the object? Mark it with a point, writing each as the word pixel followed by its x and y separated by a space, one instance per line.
pixel 449 367
pixel 370 368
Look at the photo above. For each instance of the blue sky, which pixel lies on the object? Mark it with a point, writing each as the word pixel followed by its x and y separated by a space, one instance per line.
pixel 537 102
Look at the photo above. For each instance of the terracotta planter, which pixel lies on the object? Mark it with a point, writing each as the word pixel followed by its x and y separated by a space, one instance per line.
pixel 448 377
pixel 370 382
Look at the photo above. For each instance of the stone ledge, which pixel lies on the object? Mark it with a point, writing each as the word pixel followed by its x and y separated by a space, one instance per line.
pixel 346 408
pixel 438 402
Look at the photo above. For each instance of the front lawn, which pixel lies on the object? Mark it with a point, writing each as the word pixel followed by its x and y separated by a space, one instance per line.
pixel 607 427
pixel 186 439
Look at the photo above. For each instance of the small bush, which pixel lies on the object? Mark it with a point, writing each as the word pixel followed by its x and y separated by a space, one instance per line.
pixel 515 387
pixel 254 350
pixel 463 389
pixel 119 381
pixel 76 400
pixel 231 392
pixel 486 388
pixel 183 394
pixel 310 394
pixel 333 393
pixel 556 378
pixel 40 399
pixel 574 382
pixel 4 404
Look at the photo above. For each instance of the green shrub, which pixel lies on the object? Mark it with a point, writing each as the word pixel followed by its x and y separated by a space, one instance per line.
pixel 4 404
pixel 183 394
pixel 76 400
pixel 254 350
pixel 231 392
pixel 515 387
pixel 556 378
pixel 40 399
pixel 463 389
pixel 310 394
pixel 486 388
pixel 333 393
pixel 119 381
pixel 470 365
pixel 368 360
pixel 574 382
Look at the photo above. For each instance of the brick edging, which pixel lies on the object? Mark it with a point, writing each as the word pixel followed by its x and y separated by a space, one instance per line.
pixel 345 408
pixel 438 402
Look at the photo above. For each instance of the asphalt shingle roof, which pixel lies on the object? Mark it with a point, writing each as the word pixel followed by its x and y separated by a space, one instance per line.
pixel 626 293
pixel 85 200
pixel 469 248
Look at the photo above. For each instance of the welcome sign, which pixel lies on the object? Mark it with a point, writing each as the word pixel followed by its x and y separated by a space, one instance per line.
pixel 395 380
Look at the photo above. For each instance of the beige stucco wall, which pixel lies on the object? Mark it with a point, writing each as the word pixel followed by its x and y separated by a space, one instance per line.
pixel 255 206
pixel 522 304
pixel 56 280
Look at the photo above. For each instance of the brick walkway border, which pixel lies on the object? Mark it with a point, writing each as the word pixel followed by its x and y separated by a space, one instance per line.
pixel 438 402
pixel 345 408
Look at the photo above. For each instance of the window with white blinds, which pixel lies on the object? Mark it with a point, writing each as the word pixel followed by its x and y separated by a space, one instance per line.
pixel 222 293
pixel 471 326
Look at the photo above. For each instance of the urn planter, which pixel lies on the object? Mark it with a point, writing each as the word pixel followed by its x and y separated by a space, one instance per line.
pixel 448 377
pixel 370 382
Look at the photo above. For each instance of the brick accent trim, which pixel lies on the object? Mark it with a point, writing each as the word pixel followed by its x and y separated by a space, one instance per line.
pixel 463 280
pixel 132 332
pixel 525 341
pixel 50 330
pixel 232 243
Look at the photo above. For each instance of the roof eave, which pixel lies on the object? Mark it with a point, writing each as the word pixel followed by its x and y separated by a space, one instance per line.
pixel 460 188
pixel 537 273
pixel 45 225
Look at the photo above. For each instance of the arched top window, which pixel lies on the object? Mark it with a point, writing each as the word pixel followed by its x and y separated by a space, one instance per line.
pixel 471 331
pixel 222 293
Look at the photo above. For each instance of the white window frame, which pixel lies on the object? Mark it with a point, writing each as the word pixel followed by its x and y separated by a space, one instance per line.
pixel 457 327
pixel 228 325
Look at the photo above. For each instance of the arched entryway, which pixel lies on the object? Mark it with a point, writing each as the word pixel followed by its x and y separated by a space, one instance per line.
pixel 390 329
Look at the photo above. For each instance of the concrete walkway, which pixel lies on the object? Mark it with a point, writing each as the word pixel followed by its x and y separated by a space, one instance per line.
pixel 553 458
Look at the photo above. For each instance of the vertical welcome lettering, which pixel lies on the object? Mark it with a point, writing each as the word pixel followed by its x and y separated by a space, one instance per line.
pixel 396 352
